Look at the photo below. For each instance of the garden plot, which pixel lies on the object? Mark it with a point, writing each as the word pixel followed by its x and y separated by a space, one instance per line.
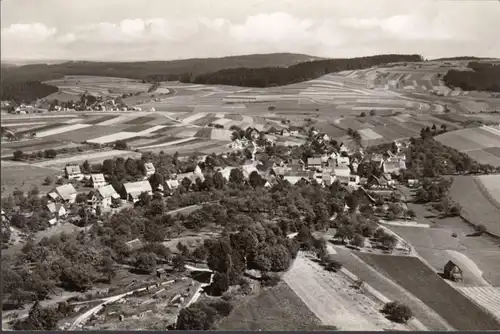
pixel 425 284
pixel 487 297
pixel 369 134
pixel 61 129
pixel 332 299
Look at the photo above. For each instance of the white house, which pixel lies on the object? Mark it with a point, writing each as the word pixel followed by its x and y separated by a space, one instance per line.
pixel 285 132
pixel 343 161
pixel 104 196
pixel 64 193
pixel 149 168
pixel 314 163
pixel 73 172
pixel 172 185
pixel 342 174
pixel 135 189
pixel 57 209
pixel 97 180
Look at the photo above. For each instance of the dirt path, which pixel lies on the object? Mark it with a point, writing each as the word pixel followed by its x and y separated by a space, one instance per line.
pixel 333 300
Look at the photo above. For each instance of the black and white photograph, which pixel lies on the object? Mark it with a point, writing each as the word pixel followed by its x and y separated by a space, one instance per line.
pixel 250 165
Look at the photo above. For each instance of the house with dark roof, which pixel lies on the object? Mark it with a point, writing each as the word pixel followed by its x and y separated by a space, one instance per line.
pixel 453 272
pixel 73 172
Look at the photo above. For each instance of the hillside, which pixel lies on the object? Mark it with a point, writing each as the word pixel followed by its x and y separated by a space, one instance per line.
pixel 276 76
pixel 149 70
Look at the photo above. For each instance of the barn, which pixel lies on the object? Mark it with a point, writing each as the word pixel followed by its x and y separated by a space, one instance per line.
pixel 453 272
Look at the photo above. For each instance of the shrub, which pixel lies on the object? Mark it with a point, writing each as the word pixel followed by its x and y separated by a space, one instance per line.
pixel 332 265
pixel 397 312
pixel 270 279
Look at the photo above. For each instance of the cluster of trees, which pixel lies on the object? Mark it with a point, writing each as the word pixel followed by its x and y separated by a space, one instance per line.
pixel 203 315
pixel 279 76
pixel 483 77
pixel 429 132
pixel 26 91
pixel 428 158
pixel 47 154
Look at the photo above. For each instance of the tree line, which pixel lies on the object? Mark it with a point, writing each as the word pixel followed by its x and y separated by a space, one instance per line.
pixel 279 76
pixel 482 77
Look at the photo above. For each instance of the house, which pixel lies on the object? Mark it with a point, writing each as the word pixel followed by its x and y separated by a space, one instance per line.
pixel 294 131
pixel 294 179
pixel 390 167
pixel 314 163
pixel 342 174
pixel 73 172
pixel 64 193
pixel 149 168
pixel 172 185
pixel 343 161
pixel 104 197
pixel 452 272
pixel 226 172
pixel 134 245
pixel 97 181
pixel 135 189
pixel 254 133
pixel 285 132
pixel 353 180
pixel 413 183
pixel 57 209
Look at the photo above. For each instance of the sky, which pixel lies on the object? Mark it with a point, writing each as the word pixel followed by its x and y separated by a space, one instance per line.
pixel 133 30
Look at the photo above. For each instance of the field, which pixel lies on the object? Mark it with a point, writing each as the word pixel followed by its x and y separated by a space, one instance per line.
pixel 91 157
pixel 274 309
pixel 426 285
pixel 24 177
pixel 489 298
pixel 491 185
pixel 481 143
pixel 477 205
pixel 330 296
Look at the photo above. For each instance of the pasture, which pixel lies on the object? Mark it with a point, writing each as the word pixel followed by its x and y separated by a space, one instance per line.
pixel 420 280
pixel 273 309
pixel 477 205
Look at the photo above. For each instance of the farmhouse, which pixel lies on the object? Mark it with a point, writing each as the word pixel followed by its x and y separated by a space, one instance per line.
pixel 57 210
pixel 104 197
pixel 149 168
pixel 285 132
pixel 253 132
pixel 171 185
pixel 97 180
pixel 342 174
pixel 135 189
pixel 65 193
pixel 452 272
pixel 314 163
pixel 73 172
pixel 390 167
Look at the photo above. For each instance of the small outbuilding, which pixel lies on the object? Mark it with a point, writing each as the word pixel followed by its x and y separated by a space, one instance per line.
pixel 453 272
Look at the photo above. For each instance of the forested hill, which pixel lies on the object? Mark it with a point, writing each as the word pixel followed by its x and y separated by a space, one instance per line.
pixel 149 70
pixel 276 76
pixel 483 77
pixel 25 91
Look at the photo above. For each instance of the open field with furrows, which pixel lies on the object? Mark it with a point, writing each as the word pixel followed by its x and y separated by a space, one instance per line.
pixel 91 157
pixel 479 143
pixel 331 297
pixel 487 297
pixel 99 86
pixel 477 204
pixel 24 177
pixel 428 317
pixel 277 308
pixel 420 280
pixel 188 146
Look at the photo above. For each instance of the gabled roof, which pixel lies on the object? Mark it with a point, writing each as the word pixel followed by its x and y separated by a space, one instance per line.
pixel 66 191
pixel 54 207
pixel 172 184
pixel 148 166
pixel 108 191
pixel 97 178
pixel 137 187
pixel 134 244
pixel 314 161
pixel 293 179
pixel 73 169
pixel 342 171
